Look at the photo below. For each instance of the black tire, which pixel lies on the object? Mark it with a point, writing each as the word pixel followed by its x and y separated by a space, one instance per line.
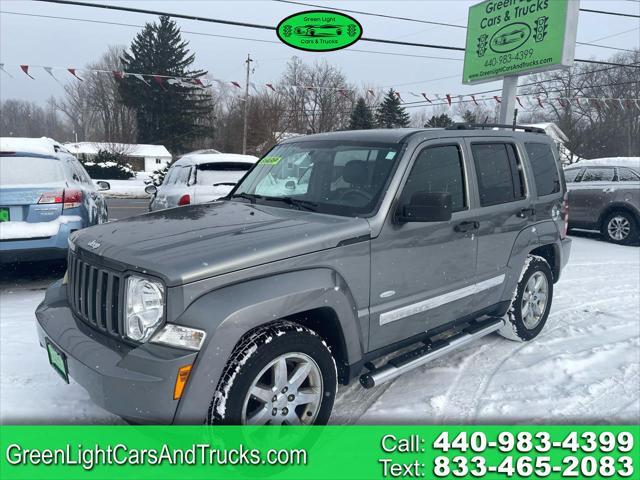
pixel 616 216
pixel 518 328
pixel 254 352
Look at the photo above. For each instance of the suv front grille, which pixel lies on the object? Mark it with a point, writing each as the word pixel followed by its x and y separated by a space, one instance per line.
pixel 96 295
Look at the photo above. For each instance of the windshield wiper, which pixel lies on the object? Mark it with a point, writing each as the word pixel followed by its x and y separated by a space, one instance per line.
pixel 306 204
pixel 246 196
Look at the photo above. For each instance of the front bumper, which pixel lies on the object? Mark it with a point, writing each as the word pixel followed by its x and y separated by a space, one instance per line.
pixel 36 249
pixel 133 382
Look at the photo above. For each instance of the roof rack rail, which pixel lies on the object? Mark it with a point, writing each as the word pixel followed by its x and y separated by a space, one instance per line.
pixel 484 126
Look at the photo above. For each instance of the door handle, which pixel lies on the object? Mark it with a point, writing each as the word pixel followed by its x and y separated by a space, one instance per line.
pixel 467 226
pixel 526 212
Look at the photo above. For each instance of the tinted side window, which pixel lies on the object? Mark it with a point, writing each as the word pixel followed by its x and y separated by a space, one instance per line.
pixel 571 174
pixel 545 170
pixel 438 169
pixel 499 173
pixel 598 175
pixel 626 175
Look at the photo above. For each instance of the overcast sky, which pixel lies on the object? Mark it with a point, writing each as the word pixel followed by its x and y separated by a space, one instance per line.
pixel 66 43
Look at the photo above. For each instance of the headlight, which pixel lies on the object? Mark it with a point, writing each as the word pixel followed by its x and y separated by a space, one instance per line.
pixel 145 307
pixel 179 336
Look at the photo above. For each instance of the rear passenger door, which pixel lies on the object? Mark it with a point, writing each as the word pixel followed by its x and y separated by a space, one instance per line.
pixel 589 195
pixel 504 210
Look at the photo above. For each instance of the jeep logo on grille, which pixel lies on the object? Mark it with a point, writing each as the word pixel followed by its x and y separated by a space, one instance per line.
pixel 94 244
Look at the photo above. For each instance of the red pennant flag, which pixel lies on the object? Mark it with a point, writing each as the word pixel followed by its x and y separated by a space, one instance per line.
pixel 398 95
pixel 25 69
pixel 236 84
pixel 72 71
pixel 158 80
pixel 519 102
pixel 118 75
pixel 271 87
pixel 497 99
pixel 540 102
pixel 198 82
pixel 473 97
pixel 561 102
pixel 448 99
pixel 426 98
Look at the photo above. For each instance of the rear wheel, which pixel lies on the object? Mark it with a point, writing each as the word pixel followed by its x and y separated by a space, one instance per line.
pixel 531 301
pixel 620 227
pixel 280 374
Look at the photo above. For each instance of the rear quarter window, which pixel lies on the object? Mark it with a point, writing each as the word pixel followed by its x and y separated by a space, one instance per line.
pixel 627 175
pixel 604 174
pixel 571 174
pixel 545 169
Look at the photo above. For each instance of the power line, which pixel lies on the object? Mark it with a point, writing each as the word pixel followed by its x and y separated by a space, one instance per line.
pixel 232 37
pixel 360 12
pixel 604 12
pixel 265 27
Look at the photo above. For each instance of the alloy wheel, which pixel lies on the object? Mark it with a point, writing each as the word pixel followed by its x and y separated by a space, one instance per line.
pixel 619 228
pixel 534 300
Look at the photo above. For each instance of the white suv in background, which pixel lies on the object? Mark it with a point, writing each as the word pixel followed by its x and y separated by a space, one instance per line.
pixel 199 178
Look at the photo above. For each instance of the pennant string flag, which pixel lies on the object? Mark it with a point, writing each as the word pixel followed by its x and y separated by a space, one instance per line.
pixel 270 86
pixel 49 70
pixel 426 98
pixel 2 69
pixel 519 102
pixel 158 80
pixel 473 97
pixel 141 78
pixel 497 99
pixel 235 84
pixel 25 69
pixel 449 99
pixel 72 71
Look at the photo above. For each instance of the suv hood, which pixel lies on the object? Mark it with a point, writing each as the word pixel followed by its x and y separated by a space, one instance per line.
pixel 190 243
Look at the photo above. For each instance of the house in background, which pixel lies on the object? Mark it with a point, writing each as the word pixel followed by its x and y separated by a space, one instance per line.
pixel 142 158
pixel 567 157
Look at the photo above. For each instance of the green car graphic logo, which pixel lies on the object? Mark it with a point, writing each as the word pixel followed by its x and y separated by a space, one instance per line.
pixel 319 31
pixel 510 37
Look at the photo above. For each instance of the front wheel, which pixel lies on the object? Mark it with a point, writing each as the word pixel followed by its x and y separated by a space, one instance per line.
pixel 280 374
pixel 620 227
pixel 531 301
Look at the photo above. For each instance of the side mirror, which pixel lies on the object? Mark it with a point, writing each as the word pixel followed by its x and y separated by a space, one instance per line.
pixel 102 185
pixel 151 189
pixel 426 207
pixel 290 185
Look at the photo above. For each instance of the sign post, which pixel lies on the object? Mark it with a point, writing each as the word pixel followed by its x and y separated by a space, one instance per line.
pixel 509 38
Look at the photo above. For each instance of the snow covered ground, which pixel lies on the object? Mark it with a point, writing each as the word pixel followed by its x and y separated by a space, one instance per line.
pixel 132 188
pixel 584 367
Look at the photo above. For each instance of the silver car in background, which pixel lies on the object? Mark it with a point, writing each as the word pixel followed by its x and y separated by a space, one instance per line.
pixel 199 178
pixel 605 196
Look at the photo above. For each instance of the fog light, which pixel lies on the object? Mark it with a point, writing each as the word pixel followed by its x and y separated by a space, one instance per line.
pixel 181 381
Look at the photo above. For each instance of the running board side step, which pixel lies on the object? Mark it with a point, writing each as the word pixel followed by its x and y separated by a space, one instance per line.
pixel 424 354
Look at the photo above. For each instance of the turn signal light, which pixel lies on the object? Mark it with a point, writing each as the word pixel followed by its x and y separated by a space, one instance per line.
pixel 184 200
pixel 181 381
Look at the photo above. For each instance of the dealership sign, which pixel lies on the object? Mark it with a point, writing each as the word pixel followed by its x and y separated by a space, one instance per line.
pixel 319 31
pixel 519 37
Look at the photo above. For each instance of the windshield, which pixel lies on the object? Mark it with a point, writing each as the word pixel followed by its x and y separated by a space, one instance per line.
pixel 21 170
pixel 340 178
pixel 212 173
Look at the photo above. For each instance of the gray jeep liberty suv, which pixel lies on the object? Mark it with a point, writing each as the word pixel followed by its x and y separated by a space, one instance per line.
pixel 335 250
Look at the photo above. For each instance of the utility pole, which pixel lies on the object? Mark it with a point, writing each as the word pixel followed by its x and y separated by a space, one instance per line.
pixel 246 105
pixel 508 105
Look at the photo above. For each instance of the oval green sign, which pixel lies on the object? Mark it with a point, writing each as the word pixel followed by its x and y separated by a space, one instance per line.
pixel 319 31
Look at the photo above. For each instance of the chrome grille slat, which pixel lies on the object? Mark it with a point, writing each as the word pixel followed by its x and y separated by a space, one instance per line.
pixel 95 295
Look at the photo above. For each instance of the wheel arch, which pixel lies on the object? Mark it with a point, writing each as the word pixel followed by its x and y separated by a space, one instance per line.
pixel 316 298
pixel 617 207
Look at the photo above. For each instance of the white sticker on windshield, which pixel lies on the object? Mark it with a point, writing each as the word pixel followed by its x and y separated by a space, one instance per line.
pixel 391 155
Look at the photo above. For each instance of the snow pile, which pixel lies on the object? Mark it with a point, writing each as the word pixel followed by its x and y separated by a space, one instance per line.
pixel 126 168
pixel 23 230
pixel 42 146
pixel 131 188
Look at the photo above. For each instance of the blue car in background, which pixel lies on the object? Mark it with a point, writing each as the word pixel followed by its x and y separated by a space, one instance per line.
pixel 45 194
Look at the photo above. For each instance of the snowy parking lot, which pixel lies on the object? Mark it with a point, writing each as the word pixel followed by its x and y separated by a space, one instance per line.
pixel 583 368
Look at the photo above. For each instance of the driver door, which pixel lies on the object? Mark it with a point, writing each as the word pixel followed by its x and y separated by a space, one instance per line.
pixel 423 273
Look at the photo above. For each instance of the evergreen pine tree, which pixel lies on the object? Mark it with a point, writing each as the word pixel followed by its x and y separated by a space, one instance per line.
pixel 390 113
pixel 441 121
pixel 167 114
pixel 361 116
